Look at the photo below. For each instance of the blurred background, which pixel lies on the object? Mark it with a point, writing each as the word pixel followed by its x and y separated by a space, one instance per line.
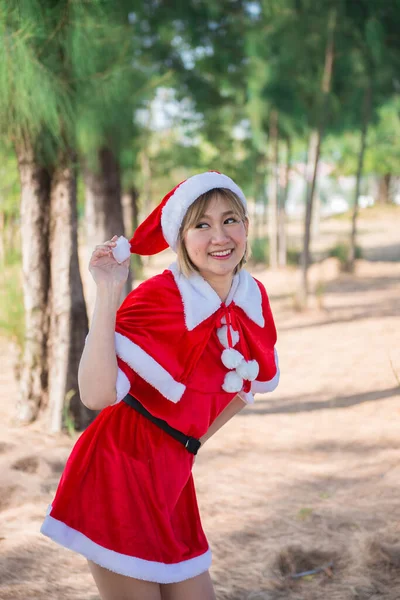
pixel 105 106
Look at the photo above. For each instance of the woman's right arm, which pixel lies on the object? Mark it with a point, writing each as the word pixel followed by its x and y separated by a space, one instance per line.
pixel 98 368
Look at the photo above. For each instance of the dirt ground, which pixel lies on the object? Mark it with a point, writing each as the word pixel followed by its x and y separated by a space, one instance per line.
pixel 307 477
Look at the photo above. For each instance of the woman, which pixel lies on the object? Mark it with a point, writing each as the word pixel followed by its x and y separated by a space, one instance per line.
pixel 180 357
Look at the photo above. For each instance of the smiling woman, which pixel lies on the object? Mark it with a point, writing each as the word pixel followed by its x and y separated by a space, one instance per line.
pixel 213 238
pixel 181 356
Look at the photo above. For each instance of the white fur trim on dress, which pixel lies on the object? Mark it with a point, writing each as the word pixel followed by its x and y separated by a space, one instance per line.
pixel 247 397
pixel 200 301
pixel 248 297
pixel 267 386
pixel 122 386
pixel 130 566
pixel 149 369
pixel 177 205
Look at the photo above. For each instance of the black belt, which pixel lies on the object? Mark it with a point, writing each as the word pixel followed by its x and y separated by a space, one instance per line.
pixel 191 444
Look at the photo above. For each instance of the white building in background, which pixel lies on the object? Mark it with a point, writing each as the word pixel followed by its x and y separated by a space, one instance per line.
pixel 333 195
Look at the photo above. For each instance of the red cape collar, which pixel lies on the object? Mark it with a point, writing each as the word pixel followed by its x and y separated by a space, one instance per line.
pixel 200 301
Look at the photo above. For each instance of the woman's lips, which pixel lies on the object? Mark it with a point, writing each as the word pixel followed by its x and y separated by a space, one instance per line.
pixel 223 256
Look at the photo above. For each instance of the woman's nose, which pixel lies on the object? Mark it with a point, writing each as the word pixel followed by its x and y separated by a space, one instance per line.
pixel 219 235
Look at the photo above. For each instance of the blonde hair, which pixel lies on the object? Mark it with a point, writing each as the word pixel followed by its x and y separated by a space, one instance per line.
pixel 192 216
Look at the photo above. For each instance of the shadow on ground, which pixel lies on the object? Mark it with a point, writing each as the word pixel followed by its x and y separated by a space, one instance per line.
pixel 310 402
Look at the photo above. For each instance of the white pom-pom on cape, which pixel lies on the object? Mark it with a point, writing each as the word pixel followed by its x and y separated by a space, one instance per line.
pixel 232 382
pixel 122 250
pixel 231 358
pixel 248 369
pixel 222 334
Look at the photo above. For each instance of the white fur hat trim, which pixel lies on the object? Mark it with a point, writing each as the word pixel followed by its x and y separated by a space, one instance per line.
pixel 185 194
pixel 222 334
pixel 231 358
pixel 248 369
pixel 232 382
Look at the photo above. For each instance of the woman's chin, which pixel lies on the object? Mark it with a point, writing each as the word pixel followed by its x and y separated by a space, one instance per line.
pixel 222 269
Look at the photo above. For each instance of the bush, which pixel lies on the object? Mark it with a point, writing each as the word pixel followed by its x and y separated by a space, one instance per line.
pixel 341 252
pixel 260 253
pixel 12 257
pixel 260 250
pixel 137 266
pixel 12 305
pixel 293 256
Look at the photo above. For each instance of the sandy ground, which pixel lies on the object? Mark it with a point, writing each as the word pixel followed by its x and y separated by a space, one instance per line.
pixel 306 477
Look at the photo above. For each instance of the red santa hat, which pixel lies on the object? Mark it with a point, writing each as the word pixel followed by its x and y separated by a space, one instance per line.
pixel 161 228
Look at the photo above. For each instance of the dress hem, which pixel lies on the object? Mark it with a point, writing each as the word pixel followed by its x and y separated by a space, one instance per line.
pixel 123 564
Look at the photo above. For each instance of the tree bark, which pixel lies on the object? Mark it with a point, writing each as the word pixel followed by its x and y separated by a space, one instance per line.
pixel 130 212
pixel 282 237
pixel 103 209
pixel 273 190
pixel 364 129
pixel 68 317
pixel 146 167
pixel 260 217
pixel 384 189
pixel 2 236
pixel 35 208
pixel 314 153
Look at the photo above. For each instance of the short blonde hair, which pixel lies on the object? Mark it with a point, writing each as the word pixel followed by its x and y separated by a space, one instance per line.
pixel 194 213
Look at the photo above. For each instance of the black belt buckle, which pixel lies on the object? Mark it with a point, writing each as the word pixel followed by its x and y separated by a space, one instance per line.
pixel 192 445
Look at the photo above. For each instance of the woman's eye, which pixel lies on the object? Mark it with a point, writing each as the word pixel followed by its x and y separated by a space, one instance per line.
pixel 227 221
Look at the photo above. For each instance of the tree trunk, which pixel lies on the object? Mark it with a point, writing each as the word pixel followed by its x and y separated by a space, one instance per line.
pixel 316 216
pixel 273 190
pixel 130 212
pixel 145 164
pixel 384 189
pixel 314 152
pixel 364 128
pixel 282 241
pixel 68 318
pixel 2 237
pixel 103 209
pixel 35 206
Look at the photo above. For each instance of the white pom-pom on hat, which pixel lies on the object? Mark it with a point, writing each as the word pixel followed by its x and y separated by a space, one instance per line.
pixel 222 334
pixel 248 369
pixel 122 250
pixel 232 382
pixel 231 358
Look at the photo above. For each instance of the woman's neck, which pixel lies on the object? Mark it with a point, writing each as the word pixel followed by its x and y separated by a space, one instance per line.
pixel 220 285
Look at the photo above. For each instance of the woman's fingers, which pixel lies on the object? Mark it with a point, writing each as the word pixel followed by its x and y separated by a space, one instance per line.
pixel 108 244
pixel 105 248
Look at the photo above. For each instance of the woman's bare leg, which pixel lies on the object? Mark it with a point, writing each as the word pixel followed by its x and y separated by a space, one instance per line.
pixel 196 588
pixel 112 586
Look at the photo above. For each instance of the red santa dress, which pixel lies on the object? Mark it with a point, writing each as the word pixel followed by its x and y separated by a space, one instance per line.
pixel 126 499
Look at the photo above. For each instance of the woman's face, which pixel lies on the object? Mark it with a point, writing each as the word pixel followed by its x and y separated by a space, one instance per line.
pixel 217 242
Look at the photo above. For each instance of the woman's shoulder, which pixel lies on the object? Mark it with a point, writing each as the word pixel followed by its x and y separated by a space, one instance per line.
pixel 164 280
pixel 157 289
